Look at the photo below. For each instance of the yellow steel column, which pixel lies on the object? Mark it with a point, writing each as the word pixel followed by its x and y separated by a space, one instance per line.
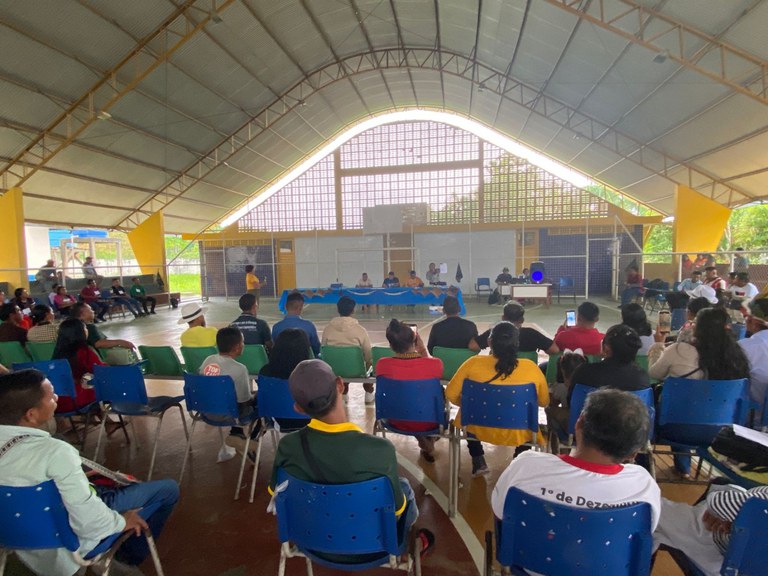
pixel 148 243
pixel 699 221
pixel 13 254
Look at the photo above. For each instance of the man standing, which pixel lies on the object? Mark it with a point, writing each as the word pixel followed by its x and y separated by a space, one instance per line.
pixel 612 428
pixel 531 339
pixel 30 456
pixel 294 304
pixel 584 335
pixel 433 274
pixel 340 451
pixel 89 270
pixel 198 334
pixel 255 330
pixel 714 281
pixel 742 291
pixel 138 292
pixel 91 295
pixel 344 330
pixel 452 331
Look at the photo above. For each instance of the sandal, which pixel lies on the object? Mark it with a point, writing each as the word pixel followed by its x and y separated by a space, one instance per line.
pixel 427 539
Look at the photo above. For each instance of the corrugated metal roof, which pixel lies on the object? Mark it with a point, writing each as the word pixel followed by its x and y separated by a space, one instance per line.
pixel 195 105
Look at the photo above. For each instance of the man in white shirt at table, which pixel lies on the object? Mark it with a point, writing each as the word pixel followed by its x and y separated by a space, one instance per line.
pixel 30 456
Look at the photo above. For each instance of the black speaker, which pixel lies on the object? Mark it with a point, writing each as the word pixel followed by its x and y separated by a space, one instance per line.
pixel 537 271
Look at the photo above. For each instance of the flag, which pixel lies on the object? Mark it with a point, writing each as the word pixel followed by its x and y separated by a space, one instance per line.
pixel 459 275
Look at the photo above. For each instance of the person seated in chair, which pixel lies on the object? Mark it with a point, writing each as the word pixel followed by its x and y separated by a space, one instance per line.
pixel 91 295
pixel 255 330
pixel 699 535
pixel 30 456
pixel 584 335
pixel 332 450
pixel 453 331
pixel 611 430
pixel 294 304
pixel 139 293
pixel 120 296
pixel 198 334
pixel 344 330
pixel 230 345
pixel 11 329
pixel 632 286
pixel 531 338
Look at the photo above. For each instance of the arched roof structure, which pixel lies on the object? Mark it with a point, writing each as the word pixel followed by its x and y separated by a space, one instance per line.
pixel 112 111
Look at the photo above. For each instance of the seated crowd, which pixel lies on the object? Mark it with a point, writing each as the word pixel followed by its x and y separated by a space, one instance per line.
pixel 610 432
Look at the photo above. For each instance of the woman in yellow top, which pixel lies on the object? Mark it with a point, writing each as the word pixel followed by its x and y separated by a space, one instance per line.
pixel 252 284
pixel 502 367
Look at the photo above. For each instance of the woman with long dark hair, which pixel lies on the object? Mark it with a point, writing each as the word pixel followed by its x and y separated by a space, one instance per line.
pixel 72 346
pixel 412 361
pixel 502 367
pixel 713 355
pixel 633 315
pixel 291 347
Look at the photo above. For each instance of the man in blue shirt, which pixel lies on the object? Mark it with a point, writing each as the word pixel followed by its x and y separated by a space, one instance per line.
pixel 293 307
pixel 690 283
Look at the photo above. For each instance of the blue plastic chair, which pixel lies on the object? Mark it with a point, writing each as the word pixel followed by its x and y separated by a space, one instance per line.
pixel 564 284
pixel 511 407
pixel 316 520
pixel 552 538
pixel 122 390
pixel 749 534
pixel 579 397
pixel 60 375
pixel 35 518
pixel 275 402
pixel 691 412
pixel 411 400
pixel 212 400
pixel 483 287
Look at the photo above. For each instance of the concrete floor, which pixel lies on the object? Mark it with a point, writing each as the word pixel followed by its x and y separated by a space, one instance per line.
pixel 211 534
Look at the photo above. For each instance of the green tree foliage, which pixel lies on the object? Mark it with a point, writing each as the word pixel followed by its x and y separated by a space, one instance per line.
pixel 659 240
pixel 747 228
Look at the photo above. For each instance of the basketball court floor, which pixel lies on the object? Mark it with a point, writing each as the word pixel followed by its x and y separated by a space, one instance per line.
pixel 210 534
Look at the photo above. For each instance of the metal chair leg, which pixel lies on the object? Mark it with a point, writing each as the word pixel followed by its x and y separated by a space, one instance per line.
pixel 154 445
pixel 309 568
pixel 187 450
pixel 183 421
pixel 153 553
pixel 260 441
pixel 98 442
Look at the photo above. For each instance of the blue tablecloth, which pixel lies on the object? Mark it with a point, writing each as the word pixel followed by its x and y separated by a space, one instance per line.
pixel 429 295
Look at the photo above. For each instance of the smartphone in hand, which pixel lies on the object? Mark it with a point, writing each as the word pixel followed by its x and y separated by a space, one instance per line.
pixel 570 318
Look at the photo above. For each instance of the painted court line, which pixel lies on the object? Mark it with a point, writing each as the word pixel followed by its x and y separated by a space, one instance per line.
pixel 473 545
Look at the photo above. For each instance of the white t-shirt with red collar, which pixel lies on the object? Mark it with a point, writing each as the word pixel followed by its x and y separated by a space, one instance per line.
pixel 577 483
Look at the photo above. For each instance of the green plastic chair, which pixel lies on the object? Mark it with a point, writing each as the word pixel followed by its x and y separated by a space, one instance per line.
pixel 254 356
pixel 12 353
pixel 194 356
pixel 379 352
pixel 532 356
pixel 161 361
pixel 41 351
pixel 552 367
pixel 346 361
pixel 594 358
pixel 452 359
pixel 642 361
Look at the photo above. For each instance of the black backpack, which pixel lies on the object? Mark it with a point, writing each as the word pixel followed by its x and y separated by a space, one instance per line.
pixel 752 455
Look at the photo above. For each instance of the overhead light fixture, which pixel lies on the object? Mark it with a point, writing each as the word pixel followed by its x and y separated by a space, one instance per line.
pixel 481 87
pixel 668 219
pixel 302 103
pixel 661 57
pixel 103 115
pixel 215 18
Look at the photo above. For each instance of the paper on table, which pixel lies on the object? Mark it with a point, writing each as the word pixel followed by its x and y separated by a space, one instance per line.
pixel 749 434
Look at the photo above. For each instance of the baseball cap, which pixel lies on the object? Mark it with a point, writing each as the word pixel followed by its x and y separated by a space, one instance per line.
pixel 191 311
pixel 703 291
pixel 313 386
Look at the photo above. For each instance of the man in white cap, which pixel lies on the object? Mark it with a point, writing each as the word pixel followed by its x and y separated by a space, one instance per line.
pixel 339 451
pixel 704 291
pixel 198 334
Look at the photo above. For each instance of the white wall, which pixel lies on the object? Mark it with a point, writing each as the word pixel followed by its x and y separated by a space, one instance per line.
pixel 38 246
pixel 316 260
pixel 482 253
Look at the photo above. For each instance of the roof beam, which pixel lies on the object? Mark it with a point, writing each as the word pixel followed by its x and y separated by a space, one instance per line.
pixel 732 67
pixel 621 144
pixel 364 30
pixel 106 92
pixel 401 44
pixel 508 73
pixel 439 47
